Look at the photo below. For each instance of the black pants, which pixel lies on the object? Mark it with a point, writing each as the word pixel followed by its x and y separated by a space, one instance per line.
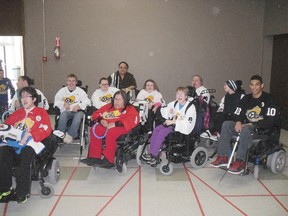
pixel 8 157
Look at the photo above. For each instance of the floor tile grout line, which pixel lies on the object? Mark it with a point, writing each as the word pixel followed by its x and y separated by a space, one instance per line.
pixel 121 188
pixel 211 188
pixel 277 200
pixel 194 191
pixel 61 194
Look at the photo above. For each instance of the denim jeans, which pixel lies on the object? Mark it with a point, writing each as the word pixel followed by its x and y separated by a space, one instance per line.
pixel 76 121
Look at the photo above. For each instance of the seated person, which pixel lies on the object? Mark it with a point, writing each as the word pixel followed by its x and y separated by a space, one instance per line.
pixel 123 80
pixel 203 93
pixel 104 94
pixel 24 81
pixel 35 123
pixel 5 85
pixel 227 106
pixel 255 110
pixel 70 100
pixel 180 116
pixel 150 93
pixel 113 120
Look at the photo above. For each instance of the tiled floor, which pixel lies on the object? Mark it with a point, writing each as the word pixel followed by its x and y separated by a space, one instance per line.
pixel 145 191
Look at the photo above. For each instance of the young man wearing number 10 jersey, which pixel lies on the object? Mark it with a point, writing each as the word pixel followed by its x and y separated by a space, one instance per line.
pixel 255 110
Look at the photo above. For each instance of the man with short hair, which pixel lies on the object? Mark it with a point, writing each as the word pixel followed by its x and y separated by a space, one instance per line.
pixel 255 110
pixel 71 99
pixel 5 85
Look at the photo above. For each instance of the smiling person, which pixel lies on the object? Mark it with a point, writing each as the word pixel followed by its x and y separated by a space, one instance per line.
pixel 122 79
pixel 104 94
pixel 180 116
pixel 71 99
pixel 113 120
pixel 150 93
pixel 256 110
pixel 35 123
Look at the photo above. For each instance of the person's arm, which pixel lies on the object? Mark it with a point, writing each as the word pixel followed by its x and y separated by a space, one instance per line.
pixel 131 119
pixel 58 100
pixel 11 87
pixel 43 128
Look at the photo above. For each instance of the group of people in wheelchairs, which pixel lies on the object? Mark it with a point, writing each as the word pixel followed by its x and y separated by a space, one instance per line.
pixel 142 127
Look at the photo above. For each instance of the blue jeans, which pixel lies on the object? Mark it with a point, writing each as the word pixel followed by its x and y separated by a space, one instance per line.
pixel 76 121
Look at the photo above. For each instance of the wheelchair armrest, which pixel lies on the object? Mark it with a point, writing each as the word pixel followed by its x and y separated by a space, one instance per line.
pixel 261 131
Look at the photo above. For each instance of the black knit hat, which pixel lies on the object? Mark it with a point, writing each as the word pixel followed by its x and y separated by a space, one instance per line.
pixel 234 85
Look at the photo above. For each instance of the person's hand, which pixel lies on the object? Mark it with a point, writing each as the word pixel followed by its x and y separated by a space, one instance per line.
pixel 24 139
pixel 111 125
pixel 238 126
pixel 169 122
pixel 67 106
pixel 17 104
pixel 155 109
pixel 104 123
pixel 76 108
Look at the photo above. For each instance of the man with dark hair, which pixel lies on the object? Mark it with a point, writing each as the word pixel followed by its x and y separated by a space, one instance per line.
pixel 24 81
pixel 5 85
pixel 35 124
pixel 255 110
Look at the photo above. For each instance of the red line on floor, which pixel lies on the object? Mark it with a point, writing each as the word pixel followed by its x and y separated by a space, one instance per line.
pixel 280 203
pixel 5 209
pixel 216 192
pixel 140 192
pixel 194 190
pixel 62 192
pixel 123 186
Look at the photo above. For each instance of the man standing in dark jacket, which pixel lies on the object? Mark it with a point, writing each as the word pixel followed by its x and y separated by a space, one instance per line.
pixel 255 110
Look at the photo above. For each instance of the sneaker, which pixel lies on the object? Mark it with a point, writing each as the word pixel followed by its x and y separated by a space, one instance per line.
pixel 59 134
pixel 215 137
pixel 91 161
pixel 146 157
pixel 22 198
pixel 105 163
pixel 220 161
pixel 206 134
pixel 68 139
pixel 4 196
pixel 237 167
pixel 152 161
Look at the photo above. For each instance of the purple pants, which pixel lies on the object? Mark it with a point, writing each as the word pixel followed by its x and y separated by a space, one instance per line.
pixel 158 137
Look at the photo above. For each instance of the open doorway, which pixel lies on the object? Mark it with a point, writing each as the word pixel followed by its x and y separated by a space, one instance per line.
pixel 11 57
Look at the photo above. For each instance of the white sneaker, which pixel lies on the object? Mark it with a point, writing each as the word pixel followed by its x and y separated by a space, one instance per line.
pixel 206 134
pixel 59 134
pixel 215 137
pixel 68 139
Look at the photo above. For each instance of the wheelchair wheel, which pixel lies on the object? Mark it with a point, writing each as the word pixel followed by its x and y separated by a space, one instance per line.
pixel 199 157
pixel 46 191
pixel 54 172
pixel 256 172
pixel 121 170
pixel 278 161
pixel 209 143
pixel 166 169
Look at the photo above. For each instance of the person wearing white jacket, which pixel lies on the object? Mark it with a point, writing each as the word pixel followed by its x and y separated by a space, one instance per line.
pixel 180 116
pixel 104 94
pixel 70 100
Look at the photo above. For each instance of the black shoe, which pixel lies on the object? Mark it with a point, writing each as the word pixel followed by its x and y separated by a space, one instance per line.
pixel 105 163
pixel 22 198
pixel 91 161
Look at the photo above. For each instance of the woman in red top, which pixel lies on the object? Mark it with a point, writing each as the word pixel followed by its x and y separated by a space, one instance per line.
pixel 113 120
pixel 35 123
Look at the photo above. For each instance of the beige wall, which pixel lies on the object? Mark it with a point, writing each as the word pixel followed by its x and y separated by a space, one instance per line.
pixel 166 40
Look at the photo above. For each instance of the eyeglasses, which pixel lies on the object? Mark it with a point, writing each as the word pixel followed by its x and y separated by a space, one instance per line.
pixel 26 96
pixel 104 84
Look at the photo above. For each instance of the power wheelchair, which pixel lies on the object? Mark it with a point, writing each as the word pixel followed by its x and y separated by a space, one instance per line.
pixel 44 166
pixel 266 151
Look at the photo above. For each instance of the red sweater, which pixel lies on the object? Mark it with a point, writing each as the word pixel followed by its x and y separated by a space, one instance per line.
pixel 129 117
pixel 37 122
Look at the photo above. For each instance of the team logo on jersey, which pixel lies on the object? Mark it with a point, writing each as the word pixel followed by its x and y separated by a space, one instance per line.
pixel 111 115
pixel 253 115
pixel 70 100
pixel 38 118
pixel 106 98
pixel 3 89
pixel 150 98
pixel 24 125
